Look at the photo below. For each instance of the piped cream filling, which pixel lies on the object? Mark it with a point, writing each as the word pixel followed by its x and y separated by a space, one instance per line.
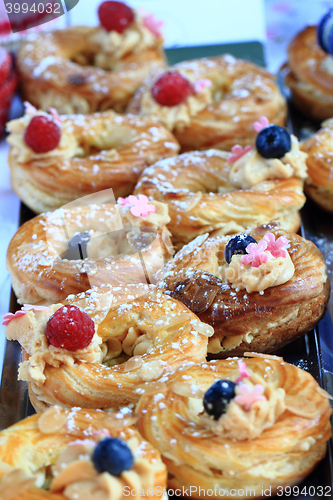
pixel 252 168
pixel 176 117
pixel 114 46
pixel 276 271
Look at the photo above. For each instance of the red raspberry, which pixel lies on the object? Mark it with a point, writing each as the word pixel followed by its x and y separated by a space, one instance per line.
pixel 5 65
pixel 42 134
pixel 115 16
pixel 171 89
pixel 70 328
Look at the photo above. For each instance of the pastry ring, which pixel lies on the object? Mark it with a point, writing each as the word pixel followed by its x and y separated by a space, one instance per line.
pixel 96 152
pixel 140 334
pixel 74 248
pixel 262 321
pixel 51 456
pixel 83 69
pixel 204 193
pixel 227 96
pixel 309 75
pixel 319 184
pixel 226 457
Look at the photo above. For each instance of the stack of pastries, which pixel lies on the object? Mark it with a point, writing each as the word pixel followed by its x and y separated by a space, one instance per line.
pixel 155 286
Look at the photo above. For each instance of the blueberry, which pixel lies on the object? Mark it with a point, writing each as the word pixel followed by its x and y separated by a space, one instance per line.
pixel 77 247
pixel 218 396
pixel 112 455
pixel 237 245
pixel 273 142
pixel 325 32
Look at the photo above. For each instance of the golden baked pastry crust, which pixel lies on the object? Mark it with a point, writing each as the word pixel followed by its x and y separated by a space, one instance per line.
pixel 50 79
pixel 41 275
pixel 283 455
pixel 116 148
pixel 248 92
pixel 33 444
pixel 319 184
pixel 242 321
pixel 144 334
pixel 309 81
pixel 189 185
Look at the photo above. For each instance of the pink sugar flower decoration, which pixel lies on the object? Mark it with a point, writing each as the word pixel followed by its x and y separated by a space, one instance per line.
pixel 202 84
pixel 249 395
pixel 255 254
pixel 261 124
pixel 8 317
pixel 237 152
pixel 29 109
pixel 153 25
pixel 278 247
pixel 140 205
pixel 29 307
pixel 243 371
pixel 55 115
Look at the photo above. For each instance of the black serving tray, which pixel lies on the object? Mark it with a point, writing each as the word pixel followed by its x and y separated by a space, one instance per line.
pixel 313 352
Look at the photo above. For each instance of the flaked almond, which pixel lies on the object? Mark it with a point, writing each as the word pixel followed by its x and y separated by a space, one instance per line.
pixel 153 388
pixel 262 355
pixel 193 201
pixel 204 298
pixel 133 363
pixel 114 423
pixel 167 241
pixel 301 406
pixel 52 420
pixel 203 329
pixel 151 370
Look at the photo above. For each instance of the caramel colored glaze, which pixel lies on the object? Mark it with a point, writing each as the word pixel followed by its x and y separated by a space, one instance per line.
pixel 310 83
pixel 248 92
pixel 188 184
pixel 93 88
pixel 197 458
pixel 274 318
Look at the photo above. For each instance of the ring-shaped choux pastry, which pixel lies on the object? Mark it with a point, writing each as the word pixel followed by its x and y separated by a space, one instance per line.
pixel 309 75
pixel 206 193
pixel 319 184
pixel 85 69
pixel 50 457
pixel 88 244
pixel 140 334
pixel 272 432
pixel 95 152
pixel 227 96
pixel 251 308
